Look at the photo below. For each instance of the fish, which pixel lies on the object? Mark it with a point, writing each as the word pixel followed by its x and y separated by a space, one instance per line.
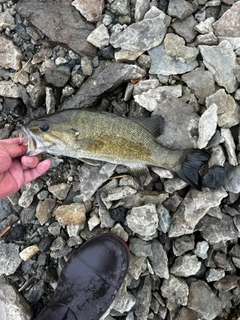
pixel 90 134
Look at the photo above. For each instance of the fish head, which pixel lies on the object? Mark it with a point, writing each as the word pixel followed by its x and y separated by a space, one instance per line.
pixel 44 135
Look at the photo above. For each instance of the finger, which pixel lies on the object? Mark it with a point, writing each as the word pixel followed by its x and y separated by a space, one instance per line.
pixel 29 162
pixel 13 149
pixel 12 140
pixel 32 174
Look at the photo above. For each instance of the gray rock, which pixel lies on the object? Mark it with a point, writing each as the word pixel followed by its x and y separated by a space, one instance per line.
pixel 209 306
pixel 137 266
pixel 164 64
pixel 180 9
pixel 232 180
pixel 26 198
pixel 212 58
pixel 145 85
pixel 215 230
pixel 108 75
pixel 57 76
pixel 54 228
pixel 57 244
pixel 44 210
pixel 91 10
pixel 227 283
pixel 48 16
pixel 143 299
pixel 74 213
pixel 120 7
pixel 10 55
pixel 87 67
pixel 186 266
pixel 141 8
pixel 201 249
pixel 201 82
pixel 183 244
pixel 137 38
pixel 205 26
pixel 6 21
pixel 229 146
pixel 9 258
pixel 176 290
pixel 207 39
pixel 13 305
pixel 118 193
pixel 207 126
pixel 214 274
pixel 140 248
pixel 143 220
pixel 159 260
pixel 185 28
pixel 50 100
pixel 193 208
pixel 164 218
pixel 99 37
pixel 60 191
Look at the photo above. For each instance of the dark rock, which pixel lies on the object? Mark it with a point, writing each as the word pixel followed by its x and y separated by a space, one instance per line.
pixel 118 214
pixel 60 21
pixel 15 106
pixel 214 178
pixel 22 32
pixel 45 244
pixel 57 76
pixel 17 233
pixel 227 283
pixel 35 293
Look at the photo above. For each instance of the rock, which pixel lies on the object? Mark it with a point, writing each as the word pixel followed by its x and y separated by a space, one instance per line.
pixel 221 260
pixel 48 16
pixel 141 8
pixel 201 82
pixel 37 95
pixel 143 220
pixel 54 228
pixel 58 244
pixel 74 213
pixel 120 7
pixel 108 75
pixel 13 305
pixel 164 218
pixel 41 56
pixel 29 252
pixel 10 55
pixel 202 249
pixel 159 260
pixel 136 37
pixel 6 21
pixel 140 248
pixel 60 191
pixel 227 283
pixel 214 274
pixel 215 230
pixel 209 306
pixel 186 266
pixel 185 28
pixel 228 109
pixel 193 208
pixel 180 9
pixel 164 64
pixel 175 47
pixel 120 232
pixel 207 126
pixel 229 146
pixel 118 193
pixel 57 76
pixel 212 59
pixel 93 222
pixel 50 100
pixel 205 26
pixel 91 10
pixel 137 266
pixel 144 298
pixel 87 67
pixel 176 290
pixel 207 39
pixel 44 210
pixel 9 258
pixel 183 244
pixel 214 178
pixel 232 180
pixel 99 37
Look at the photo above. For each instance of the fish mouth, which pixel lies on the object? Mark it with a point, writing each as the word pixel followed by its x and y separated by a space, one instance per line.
pixel 32 142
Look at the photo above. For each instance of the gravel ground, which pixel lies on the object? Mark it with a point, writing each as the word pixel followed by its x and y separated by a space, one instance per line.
pixel 178 59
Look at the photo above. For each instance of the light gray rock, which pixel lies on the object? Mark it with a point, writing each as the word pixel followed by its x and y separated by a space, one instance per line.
pixel 143 299
pixel 58 244
pixel 180 9
pixel 214 274
pixel 159 260
pixel 207 126
pixel 120 7
pixel 229 146
pixel 91 10
pixel 12 305
pixel 212 58
pixel 108 75
pixel 118 193
pixel 205 26
pixel 141 8
pixel 57 76
pixel 50 100
pixel 9 258
pixel 10 55
pixel 164 218
pixel 215 230
pixel 6 21
pixel 143 220
pixel 193 208
pixel 44 210
pixel 185 28
pixel 201 249
pixel 232 180
pixel 174 184
pixel 176 290
pixel 137 266
pixel 201 82
pixel 209 306
pixel 54 228
pixel 99 37
pixel 137 38
pixel 186 266
pixel 208 39
pixel 145 85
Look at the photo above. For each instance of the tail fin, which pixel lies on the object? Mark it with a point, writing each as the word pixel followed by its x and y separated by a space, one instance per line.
pixel 189 171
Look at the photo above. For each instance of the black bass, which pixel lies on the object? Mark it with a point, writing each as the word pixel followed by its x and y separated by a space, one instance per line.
pixel 98 135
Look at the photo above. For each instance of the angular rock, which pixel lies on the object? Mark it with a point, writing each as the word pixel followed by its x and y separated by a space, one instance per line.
pixel 74 213
pixel 232 180
pixel 99 37
pixel 91 10
pixel 13 305
pixel 141 8
pixel 120 7
pixel 136 37
pixel 57 76
pixel 193 208
pixel 6 21
pixel 10 55
pixel 60 191
pixel 214 274
pixel 164 218
pixel 207 126
pixel 118 193
pixel 203 301
pixel 213 57
pixel 176 290
pixel 180 9
pixel 137 266
pixel 143 220
pixel 48 16
pixel 44 210
pixel 214 178
pixel 9 258
pixel 144 298
pixel 227 283
pixel 230 146
pixel 185 28
pixel 186 266
pixel 159 260
pixel 202 249
pixel 183 244
pixel 166 65
pixel 108 75
pixel 140 248
pixel 205 26
pixel 201 82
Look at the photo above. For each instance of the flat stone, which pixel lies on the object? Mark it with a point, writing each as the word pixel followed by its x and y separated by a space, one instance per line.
pixel 6 21
pixel 29 252
pixel 9 258
pixel 227 283
pixel 13 305
pixel 186 266
pixel 10 55
pixel 108 75
pixel 99 37
pixel 207 39
pixel 91 10
pixel 159 260
pixel 48 16
pixel 209 306
pixel 176 290
pixel 44 210
pixel 136 37
pixel 60 191
pixel 74 213
pixel 213 57
pixel 144 298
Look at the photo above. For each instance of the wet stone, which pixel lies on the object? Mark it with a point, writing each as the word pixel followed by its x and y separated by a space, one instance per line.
pixel 176 290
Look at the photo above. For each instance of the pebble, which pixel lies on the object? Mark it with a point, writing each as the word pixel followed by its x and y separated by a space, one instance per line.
pixel 60 191
pixel 176 290
pixel 180 9
pixel 74 213
pixel 29 252
pixel 44 210
pixel 99 37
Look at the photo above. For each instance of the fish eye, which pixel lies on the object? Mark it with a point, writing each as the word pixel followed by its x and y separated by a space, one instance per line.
pixel 44 127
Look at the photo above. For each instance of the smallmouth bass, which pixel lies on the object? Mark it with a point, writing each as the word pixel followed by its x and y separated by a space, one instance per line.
pixel 99 135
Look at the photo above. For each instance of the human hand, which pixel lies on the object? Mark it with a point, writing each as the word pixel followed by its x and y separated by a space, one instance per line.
pixel 17 169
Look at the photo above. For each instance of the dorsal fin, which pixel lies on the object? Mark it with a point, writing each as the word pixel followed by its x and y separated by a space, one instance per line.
pixel 154 124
